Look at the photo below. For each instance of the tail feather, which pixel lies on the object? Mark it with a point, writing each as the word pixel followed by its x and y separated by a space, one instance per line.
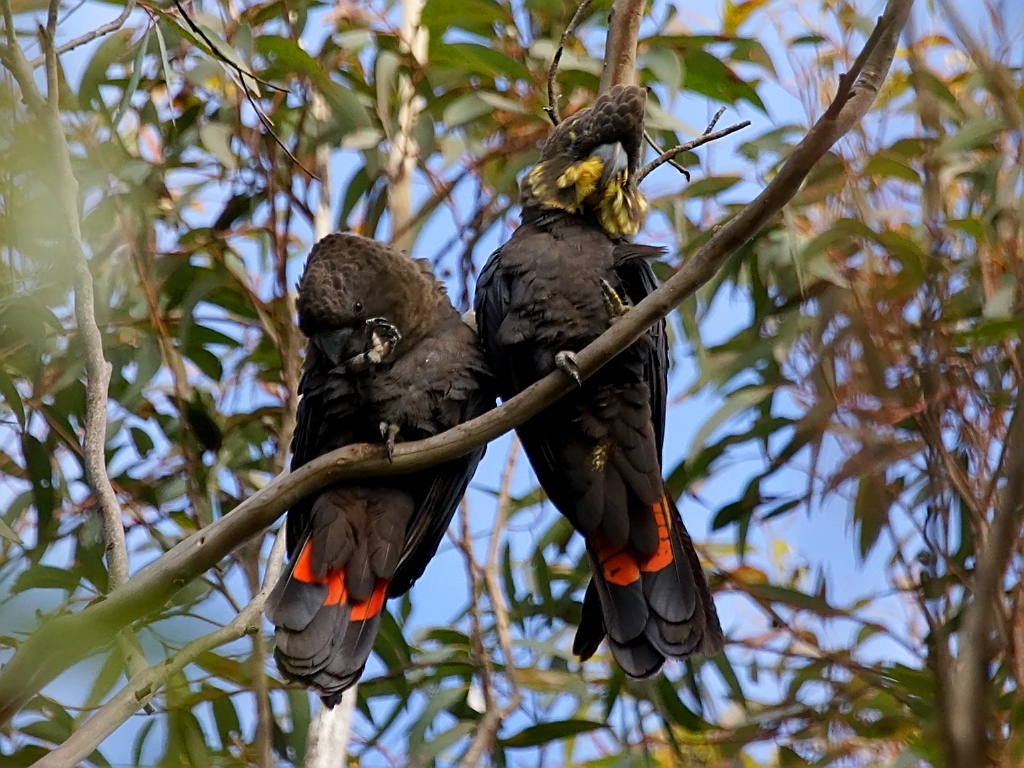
pixel 652 604
pixel 324 633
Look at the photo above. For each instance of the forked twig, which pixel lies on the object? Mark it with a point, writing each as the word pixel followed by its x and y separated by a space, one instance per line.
pixel 705 138
pixel 552 107
pixel 654 145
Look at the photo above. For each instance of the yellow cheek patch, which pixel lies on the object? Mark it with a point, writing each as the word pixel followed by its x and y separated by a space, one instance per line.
pixel 584 176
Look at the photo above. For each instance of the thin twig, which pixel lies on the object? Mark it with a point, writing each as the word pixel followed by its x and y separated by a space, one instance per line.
pixel 552 108
pixel 88 37
pixel 87 736
pixel 654 145
pixel 242 74
pixel 42 656
pixel 668 154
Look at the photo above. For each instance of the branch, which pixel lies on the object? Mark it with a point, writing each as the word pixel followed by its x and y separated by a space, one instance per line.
pixel 88 37
pixel 97 368
pixel 620 48
pixel 552 107
pixel 87 736
pixel 44 655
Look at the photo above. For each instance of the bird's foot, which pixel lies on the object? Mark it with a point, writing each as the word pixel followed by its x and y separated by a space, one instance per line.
pixel 384 337
pixel 566 362
pixel 390 433
pixel 613 303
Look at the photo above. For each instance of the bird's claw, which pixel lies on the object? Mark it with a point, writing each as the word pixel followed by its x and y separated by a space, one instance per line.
pixel 566 362
pixel 390 433
pixel 613 303
pixel 384 337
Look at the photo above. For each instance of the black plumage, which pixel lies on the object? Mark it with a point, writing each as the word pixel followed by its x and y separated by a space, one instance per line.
pixel 567 272
pixel 389 359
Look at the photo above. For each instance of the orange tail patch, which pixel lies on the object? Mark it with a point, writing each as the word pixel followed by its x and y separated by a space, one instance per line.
pixel 303 568
pixel 365 609
pixel 618 566
pixel 622 567
pixel 662 556
pixel 337 593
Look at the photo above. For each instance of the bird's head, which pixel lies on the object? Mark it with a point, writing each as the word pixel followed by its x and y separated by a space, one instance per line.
pixel 588 165
pixel 349 283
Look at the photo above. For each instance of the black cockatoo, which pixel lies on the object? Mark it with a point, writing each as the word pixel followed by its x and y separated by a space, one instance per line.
pixel 566 273
pixel 389 359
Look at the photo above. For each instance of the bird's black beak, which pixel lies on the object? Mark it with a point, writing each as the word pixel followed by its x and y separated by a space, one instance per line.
pixel 614 160
pixel 333 344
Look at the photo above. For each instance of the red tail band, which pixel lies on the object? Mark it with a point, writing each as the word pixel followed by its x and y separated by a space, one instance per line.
pixel 662 556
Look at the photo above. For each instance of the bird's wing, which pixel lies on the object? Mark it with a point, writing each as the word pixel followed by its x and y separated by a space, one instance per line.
pixel 633 268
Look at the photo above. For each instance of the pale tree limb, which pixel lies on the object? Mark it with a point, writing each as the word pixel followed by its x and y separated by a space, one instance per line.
pixel 620 50
pixel 88 736
pixel 97 368
pixel 43 656
pixel 404 149
pixel 328 733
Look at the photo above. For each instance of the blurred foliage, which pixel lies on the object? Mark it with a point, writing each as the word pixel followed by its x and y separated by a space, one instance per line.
pixel 871 366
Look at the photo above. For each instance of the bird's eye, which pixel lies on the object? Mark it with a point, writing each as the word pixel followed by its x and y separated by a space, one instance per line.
pixel 359 308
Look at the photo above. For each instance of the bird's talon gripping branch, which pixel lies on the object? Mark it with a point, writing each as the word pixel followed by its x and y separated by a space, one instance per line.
pixel 390 433
pixel 567 363
pixel 613 303
pixel 384 337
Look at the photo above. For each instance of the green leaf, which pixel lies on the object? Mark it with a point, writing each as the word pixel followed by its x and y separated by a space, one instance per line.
pixel 480 60
pixel 535 735
pixel 113 49
pixel 12 397
pixel 674 709
pixel 891 168
pixel 975 135
pixel 735 403
pixel 465 109
pixel 165 64
pixel 217 140
pixel 46 577
pixel 871 511
pixel 477 16
pixel 666 67
pixel 133 83
pixel 286 59
pixel 793 598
